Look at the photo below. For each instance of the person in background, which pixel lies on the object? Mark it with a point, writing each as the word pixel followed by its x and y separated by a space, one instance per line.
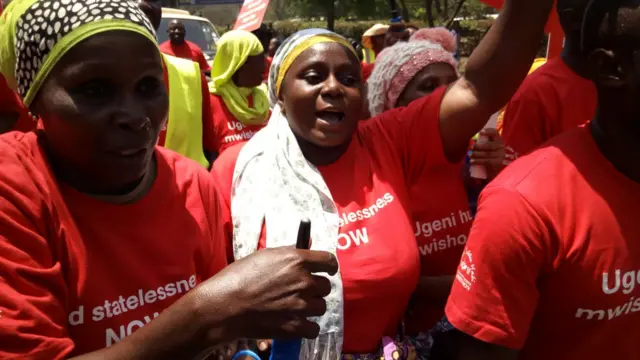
pixel 537 63
pixel 412 29
pixel 111 247
pixel 551 268
pixel 358 47
pixel 189 129
pixel 352 178
pixel 179 46
pixel 397 32
pixel 238 97
pixel 456 30
pixel 557 97
pixel 265 34
pixel 274 44
pixel 373 42
pixel 441 216
pixel 13 114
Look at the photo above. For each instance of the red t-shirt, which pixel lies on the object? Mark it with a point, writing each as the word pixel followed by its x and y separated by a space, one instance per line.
pixel 551 266
pixel 186 50
pixel 367 70
pixel 378 257
pixel 208 131
pixel 11 102
pixel 227 129
pixel 79 274
pixel 550 101
pixel 442 221
pixel 268 60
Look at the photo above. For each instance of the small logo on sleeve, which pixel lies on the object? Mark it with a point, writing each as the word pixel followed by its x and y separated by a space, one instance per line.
pixel 466 275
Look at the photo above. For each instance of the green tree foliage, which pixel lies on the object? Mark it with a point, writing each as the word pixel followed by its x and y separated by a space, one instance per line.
pixel 372 9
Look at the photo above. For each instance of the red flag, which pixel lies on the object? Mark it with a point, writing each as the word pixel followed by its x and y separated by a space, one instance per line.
pixel 251 15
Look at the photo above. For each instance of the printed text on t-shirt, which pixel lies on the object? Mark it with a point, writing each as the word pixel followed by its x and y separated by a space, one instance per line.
pixel 621 283
pixel 431 228
pixel 241 136
pixel 360 236
pixel 115 307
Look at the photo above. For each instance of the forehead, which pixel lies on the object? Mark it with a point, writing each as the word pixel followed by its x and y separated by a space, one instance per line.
pixel 330 54
pixel 101 47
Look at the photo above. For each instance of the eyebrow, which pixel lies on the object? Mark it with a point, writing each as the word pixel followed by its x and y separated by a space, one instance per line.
pixel 98 64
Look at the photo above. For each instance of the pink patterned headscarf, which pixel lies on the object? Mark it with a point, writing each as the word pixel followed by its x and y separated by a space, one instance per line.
pixel 397 65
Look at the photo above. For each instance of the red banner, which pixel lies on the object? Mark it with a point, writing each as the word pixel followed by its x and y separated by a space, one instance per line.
pixel 553 28
pixel 251 15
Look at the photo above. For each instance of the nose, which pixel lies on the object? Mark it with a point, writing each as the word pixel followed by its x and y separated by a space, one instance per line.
pixel 131 115
pixel 332 87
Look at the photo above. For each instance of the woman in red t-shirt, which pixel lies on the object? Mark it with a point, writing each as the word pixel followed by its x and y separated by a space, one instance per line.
pixel 352 178
pixel 238 97
pixel 405 73
pixel 108 244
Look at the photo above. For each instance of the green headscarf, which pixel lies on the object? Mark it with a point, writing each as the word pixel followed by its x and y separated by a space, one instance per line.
pixel 36 34
pixel 234 48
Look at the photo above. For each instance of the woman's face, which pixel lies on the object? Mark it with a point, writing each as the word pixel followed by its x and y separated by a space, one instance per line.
pixel 103 106
pixel 250 74
pixel 322 95
pixel 426 81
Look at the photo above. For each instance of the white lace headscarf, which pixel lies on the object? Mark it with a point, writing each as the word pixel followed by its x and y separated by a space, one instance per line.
pixel 275 186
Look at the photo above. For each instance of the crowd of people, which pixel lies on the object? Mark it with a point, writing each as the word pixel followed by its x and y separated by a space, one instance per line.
pixel 151 202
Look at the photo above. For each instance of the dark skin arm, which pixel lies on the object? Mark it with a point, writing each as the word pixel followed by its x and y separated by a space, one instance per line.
pixel 239 302
pixel 494 72
pixel 433 290
pixel 8 121
pixel 472 349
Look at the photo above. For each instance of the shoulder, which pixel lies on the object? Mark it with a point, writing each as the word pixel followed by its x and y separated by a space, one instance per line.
pixel 20 153
pixel 25 179
pixel 225 164
pixel 193 46
pixel 184 174
pixel 535 176
pixel 223 169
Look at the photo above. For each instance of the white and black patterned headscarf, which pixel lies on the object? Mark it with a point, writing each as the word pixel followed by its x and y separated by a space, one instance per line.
pixel 35 34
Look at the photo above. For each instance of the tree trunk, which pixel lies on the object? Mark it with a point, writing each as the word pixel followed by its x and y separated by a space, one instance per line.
pixel 331 15
pixel 405 11
pixel 428 5
pixel 455 14
pixel 445 10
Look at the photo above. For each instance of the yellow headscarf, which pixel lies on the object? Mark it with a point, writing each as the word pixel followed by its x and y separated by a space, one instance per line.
pixel 234 48
pixel 36 34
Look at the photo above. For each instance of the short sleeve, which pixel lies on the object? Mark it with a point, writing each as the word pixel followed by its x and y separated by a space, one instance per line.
pixel 208 130
pixel 524 124
pixel 33 316
pixel 204 64
pixel 494 296
pixel 414 131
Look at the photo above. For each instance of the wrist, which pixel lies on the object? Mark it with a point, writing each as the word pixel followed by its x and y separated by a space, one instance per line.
pixel 212 317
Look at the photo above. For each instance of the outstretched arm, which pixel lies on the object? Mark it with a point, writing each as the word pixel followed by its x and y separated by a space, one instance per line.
pixel 494 72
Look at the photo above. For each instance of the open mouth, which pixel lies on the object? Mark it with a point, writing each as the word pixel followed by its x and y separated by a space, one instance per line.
pixel 331 117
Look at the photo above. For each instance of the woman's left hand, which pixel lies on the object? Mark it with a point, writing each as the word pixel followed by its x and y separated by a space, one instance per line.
pixel 490 154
